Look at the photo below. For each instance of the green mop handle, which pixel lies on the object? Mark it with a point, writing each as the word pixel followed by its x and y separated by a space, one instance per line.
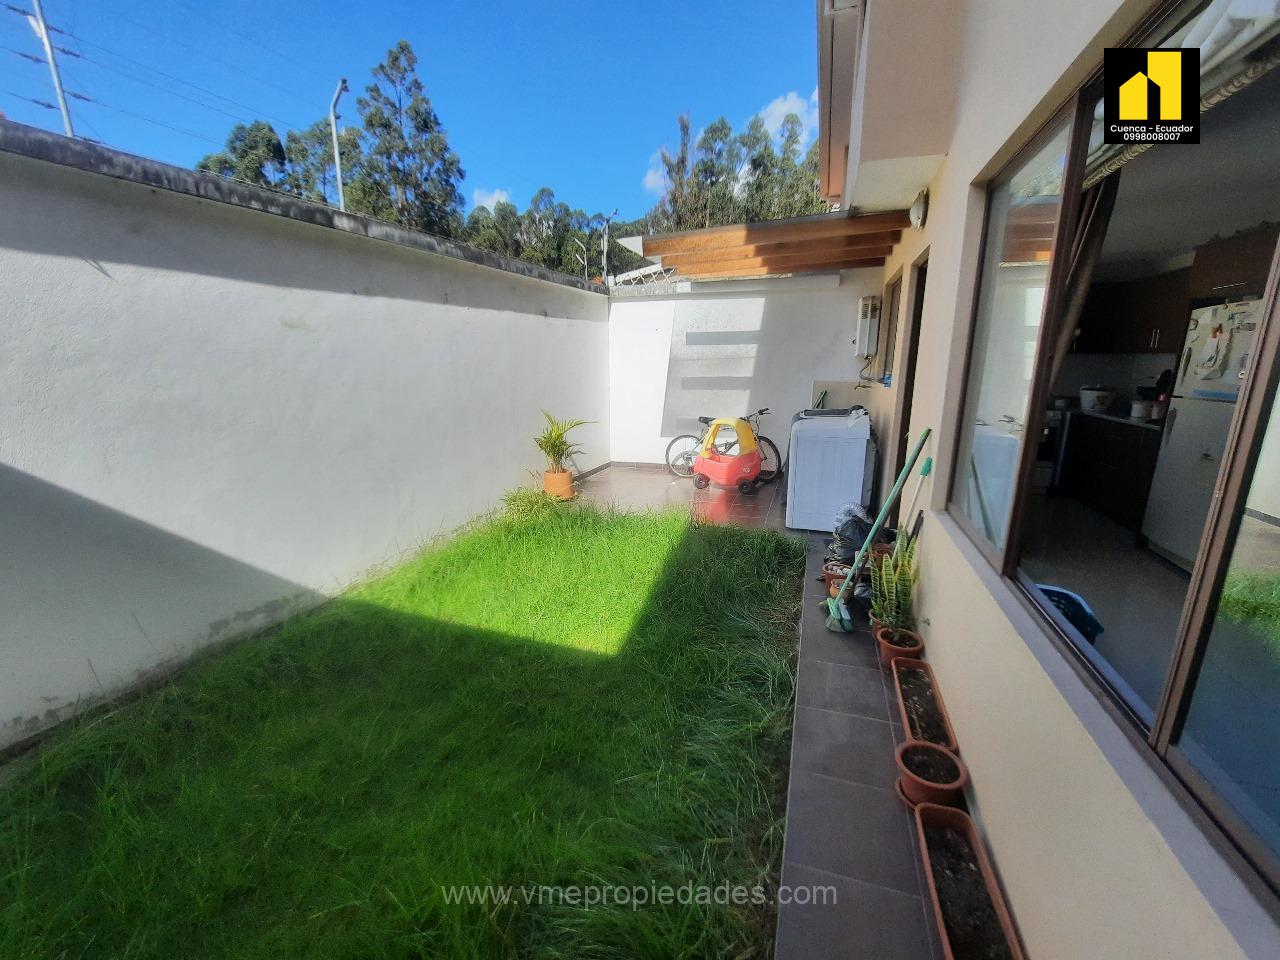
pixel 889 501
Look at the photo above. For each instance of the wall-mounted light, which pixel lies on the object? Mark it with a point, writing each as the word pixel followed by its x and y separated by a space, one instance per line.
pixel 919 211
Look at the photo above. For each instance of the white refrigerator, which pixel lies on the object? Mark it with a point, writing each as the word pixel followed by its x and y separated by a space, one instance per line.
pixel 1210 373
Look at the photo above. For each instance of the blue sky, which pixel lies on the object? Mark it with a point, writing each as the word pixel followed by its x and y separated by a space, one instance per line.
pixel 573 95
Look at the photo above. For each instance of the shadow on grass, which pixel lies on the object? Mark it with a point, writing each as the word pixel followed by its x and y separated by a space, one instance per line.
pixel 310 792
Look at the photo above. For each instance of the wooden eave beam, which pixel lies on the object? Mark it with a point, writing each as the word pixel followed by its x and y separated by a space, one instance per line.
pixel 735 269
pixel 824 245
pixel 742 234
pixel 777 264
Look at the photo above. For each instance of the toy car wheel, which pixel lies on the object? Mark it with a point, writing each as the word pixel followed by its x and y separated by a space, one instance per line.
pixel 746 486
pixel 701 481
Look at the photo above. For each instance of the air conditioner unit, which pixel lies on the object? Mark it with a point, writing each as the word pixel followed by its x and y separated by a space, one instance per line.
pixel 867 339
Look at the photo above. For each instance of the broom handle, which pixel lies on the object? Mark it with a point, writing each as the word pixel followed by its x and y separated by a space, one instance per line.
pixel 889 501
pixel 925 469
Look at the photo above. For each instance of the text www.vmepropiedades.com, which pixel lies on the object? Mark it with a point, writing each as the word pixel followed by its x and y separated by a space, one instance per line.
pixel 636 897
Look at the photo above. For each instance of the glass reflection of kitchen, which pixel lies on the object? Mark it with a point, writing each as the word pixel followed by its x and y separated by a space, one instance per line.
pixel 1140 409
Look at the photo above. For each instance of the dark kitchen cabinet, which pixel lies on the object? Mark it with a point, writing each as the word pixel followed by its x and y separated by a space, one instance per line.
pixel 1108 465
pixel 1139 316
pixel 1102 322
pixel 1234 266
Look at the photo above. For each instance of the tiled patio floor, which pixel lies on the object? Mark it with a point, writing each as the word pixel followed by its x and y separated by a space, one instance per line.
pixel 641 487
pixel 846 828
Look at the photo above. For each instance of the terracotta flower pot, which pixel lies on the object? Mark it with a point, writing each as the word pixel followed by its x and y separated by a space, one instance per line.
pixel 959 907
pixel 834 572
pixel 935 730
pixel 876 625
pixel 894 642
pixel 928 773
pixel 558 483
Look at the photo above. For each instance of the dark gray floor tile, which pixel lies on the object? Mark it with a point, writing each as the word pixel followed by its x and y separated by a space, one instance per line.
pixel 838 745
pixel 850 829
pixel 863 923
pixel 841 687
pixel 819 643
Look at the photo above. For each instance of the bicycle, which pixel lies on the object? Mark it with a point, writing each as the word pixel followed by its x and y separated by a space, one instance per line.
pixel 682 449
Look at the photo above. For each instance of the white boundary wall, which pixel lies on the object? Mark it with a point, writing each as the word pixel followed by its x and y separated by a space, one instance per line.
pixel 213 416
pixel 725 348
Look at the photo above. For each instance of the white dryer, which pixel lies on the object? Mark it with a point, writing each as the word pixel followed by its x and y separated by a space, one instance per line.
pixel 831 462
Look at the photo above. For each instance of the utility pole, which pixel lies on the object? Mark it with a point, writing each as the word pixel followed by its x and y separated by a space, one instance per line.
pixel 42 31
pixel 333 129
pixel 604 248
pixel 581 257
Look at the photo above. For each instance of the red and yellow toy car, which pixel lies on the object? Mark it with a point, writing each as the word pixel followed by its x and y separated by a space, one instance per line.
pixel 729 464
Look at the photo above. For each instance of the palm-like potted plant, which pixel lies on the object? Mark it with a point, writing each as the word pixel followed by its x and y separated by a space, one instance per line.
pixel 893 580
pixel 556 447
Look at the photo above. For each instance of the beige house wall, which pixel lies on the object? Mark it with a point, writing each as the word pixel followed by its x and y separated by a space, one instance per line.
pixel 1098 859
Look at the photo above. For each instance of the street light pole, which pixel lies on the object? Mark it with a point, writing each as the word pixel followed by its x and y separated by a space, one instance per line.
pixel 41 28
pixel 333 129
pixel 604 248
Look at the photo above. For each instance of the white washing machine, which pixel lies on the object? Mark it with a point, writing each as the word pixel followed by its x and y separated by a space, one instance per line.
pixel 831 462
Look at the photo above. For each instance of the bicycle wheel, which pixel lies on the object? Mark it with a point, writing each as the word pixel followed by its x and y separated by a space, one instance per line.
pixel 770 460
pixel 680 454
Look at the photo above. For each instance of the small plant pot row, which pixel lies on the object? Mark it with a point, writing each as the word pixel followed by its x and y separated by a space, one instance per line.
pixel 972 917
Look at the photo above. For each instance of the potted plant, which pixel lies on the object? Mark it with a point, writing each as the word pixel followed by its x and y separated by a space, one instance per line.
pixel 929 773
pixel 924 716
pixel 893 578
pixel 554 444
pixel 968 907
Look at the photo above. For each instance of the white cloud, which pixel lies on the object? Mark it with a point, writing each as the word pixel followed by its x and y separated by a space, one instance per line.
pixel 488 198
pixel 655 178
pixel 776 110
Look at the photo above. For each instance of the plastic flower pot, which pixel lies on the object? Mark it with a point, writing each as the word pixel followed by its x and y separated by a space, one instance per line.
pixel 897 642
pixel 924 715
pixel 928 773
pixel 972 917
pixel 558 483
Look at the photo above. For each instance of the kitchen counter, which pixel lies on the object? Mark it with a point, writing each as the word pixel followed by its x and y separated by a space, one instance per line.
pixel 1142 424
pixel 1107 462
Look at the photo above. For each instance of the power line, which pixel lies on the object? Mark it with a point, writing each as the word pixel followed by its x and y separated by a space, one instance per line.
pixel 150 30
pixel 254 111
pixel 24 55
pixel 237 68
pixel 97 134
pixel 247 37
pixel 39 103
pixel 253 114
pixel 85 98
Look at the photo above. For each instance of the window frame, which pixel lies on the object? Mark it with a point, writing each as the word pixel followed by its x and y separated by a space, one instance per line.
pixel 1258 864
pixel 1001 557
pixel 890 327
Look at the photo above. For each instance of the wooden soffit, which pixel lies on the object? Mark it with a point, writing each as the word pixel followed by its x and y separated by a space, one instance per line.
pixel 830 241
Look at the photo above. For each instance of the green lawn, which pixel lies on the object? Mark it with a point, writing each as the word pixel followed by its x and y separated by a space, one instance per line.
pixel 558 696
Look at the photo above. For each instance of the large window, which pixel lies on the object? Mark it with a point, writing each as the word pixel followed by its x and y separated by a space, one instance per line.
pixel 1022 222
pixel 1118 451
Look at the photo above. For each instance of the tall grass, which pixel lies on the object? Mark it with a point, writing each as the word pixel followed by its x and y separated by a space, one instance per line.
pixel 1253 598
pixel 560 696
